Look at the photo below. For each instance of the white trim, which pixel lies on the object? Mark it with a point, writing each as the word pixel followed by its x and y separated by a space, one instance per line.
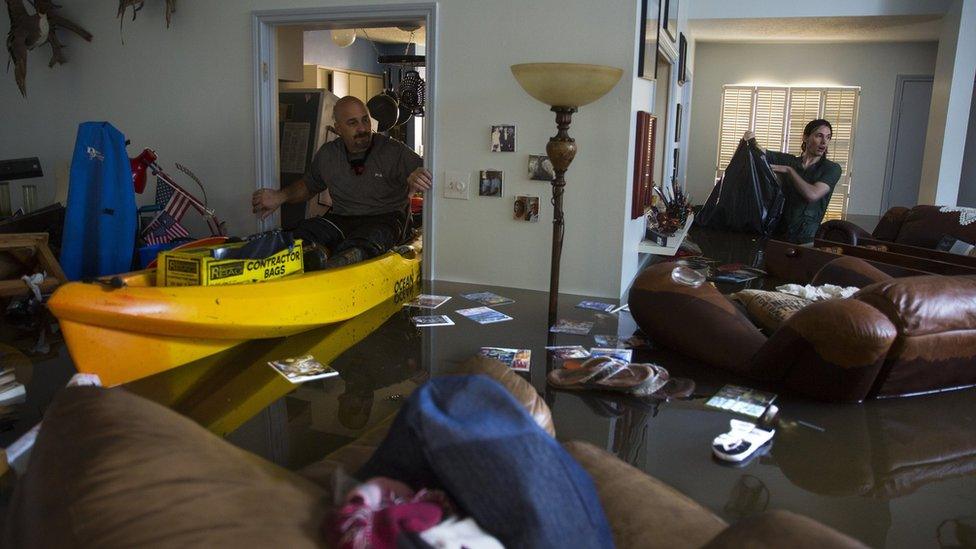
pixel 266 134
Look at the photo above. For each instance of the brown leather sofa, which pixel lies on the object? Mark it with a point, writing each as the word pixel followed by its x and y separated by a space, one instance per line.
pixel 111 469
pixel 920 226
pixel 894 337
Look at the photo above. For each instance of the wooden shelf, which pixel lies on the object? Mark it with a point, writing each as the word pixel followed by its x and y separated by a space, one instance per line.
pixel 651 247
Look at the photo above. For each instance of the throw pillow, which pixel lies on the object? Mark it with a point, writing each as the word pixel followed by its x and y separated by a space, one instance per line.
pixel 769 310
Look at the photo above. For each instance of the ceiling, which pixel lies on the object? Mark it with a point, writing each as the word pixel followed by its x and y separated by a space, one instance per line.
pixel 383 35
pixel 897 28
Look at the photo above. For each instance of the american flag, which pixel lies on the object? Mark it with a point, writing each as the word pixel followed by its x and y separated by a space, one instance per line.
pixel 166 226
pixel 164 229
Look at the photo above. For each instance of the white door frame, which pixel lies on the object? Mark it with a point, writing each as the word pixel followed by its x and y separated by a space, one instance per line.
pixel 263 25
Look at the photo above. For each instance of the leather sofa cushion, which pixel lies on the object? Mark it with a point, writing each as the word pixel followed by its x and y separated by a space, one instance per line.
pixel 769 310
pixel 922 305
pixel 643 511
pixel 925 226
pixel 110 469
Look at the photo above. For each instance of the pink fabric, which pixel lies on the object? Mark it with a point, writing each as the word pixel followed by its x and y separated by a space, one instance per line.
pixel 377 511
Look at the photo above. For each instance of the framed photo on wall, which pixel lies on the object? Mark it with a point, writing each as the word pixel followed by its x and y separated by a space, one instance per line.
pixel 674 169
pixel 643 164
pixel 677 123
pixel 682 59
pixel 650 30
pixel 669 19
pixel 490 183
pixel 503 138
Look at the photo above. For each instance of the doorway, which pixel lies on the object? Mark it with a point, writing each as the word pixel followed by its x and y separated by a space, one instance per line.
pixel 906 142
pixel 264 31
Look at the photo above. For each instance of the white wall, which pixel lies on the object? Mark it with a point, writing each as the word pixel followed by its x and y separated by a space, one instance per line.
pixel 187 92
pixel 874 67
pixel 952 90
pixel 967 182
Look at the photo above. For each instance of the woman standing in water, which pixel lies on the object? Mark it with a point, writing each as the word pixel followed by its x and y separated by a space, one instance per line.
pixel 809 181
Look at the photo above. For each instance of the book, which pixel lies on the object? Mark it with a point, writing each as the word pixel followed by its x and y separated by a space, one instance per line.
pixel 425 301
pixel 516 359
pixel 483 315
pixel 424 321
pixel 742 400
pixel 302 369
pixel 488 298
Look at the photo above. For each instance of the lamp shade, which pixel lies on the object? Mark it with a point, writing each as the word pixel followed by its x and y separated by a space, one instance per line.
pixel 343 37
pixel 566 84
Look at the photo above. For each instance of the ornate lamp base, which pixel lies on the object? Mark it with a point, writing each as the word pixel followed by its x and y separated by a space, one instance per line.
pixel 561 150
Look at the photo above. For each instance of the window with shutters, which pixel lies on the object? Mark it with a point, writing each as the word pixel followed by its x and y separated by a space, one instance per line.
pixel 777 114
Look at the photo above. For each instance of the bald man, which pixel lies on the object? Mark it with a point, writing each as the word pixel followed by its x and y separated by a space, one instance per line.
pixel 370 178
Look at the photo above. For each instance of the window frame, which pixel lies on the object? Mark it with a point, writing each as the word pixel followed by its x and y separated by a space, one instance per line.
pixel 842 190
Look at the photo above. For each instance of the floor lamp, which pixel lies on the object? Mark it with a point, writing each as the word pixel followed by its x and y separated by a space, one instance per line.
pixel 564 87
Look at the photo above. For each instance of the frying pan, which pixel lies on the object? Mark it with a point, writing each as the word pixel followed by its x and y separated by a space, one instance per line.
pixel 384 108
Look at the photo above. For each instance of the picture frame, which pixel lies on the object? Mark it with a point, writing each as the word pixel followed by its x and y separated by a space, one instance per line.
pixel 669 19
pixel 502 138
pixel 674 168
pixel 490 183
pixel 526 209
pixel 540 168
pixel 682 59
pixel 677 123
pixel 650 30
pixel 643 181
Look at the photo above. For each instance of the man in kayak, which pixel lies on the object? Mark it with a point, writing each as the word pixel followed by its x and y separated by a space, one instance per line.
pixel 370 178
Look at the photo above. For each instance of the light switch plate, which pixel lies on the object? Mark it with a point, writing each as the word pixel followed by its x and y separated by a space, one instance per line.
pixel 456 184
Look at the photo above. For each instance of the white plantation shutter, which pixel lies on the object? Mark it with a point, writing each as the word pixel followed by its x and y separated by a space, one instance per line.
pixel 804 107
pixel 840 109
pixel 736 119
pixel 770 118
pixel 778 114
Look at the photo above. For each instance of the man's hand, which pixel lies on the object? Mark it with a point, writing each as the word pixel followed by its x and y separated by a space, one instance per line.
pixel 780 168
pixel 748 135
pixel 420 180
pixel 265 201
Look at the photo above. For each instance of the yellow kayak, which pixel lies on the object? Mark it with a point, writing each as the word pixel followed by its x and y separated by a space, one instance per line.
pixel 138 330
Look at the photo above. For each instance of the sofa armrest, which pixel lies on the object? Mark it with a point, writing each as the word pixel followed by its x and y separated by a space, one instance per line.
pixel 830 350
pixel 781 529
pixel 849 271
pixel 890 224
pixel 698 322
pixel 839 230
pixel 643 511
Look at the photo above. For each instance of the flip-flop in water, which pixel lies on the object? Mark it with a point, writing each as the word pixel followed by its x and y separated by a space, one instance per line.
pixel 602 373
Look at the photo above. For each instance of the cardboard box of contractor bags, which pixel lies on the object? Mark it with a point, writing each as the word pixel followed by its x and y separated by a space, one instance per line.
pixel 208 266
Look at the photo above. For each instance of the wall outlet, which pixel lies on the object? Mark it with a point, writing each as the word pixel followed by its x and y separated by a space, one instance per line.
pixel 456 185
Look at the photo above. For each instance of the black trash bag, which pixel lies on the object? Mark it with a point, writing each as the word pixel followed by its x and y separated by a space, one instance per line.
pixel 749 197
